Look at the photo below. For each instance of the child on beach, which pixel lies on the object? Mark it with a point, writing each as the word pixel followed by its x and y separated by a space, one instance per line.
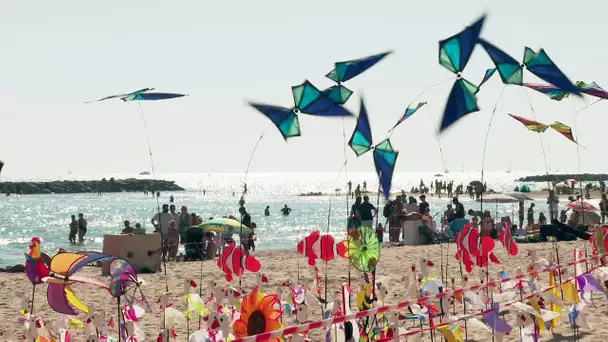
pixel 380 232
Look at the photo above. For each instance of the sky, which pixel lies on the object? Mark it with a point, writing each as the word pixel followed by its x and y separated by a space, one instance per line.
pixel 55 56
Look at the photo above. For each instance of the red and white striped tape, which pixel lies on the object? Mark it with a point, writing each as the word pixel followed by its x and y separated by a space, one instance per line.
pixel 374 311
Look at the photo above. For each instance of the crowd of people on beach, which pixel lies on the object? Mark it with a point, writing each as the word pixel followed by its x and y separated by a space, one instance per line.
pixel 173 227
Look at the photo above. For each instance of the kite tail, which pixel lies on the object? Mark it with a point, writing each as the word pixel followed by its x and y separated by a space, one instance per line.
pixel 345 142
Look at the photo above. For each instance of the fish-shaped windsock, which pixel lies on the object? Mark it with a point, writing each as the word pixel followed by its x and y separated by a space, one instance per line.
pixel 471 244
pixel 320 246
pixel 506 238
pixel 234 262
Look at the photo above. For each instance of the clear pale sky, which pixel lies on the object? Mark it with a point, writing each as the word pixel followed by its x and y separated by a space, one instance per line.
pixel 57 55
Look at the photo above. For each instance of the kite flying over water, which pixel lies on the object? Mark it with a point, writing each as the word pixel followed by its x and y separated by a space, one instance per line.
pixel 409 111
pixel 538 127
pixel 558 94
pixel 538 63
pixel 385 156
pixel 346 70
pixel 141 95
pixel 308 99
pixel 454 54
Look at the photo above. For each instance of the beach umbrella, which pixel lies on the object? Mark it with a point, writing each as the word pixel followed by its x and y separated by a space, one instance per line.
pixel 570 181
pixel 225 226
pixel 561 185
pixel 581 206
pixel 520 196
pixel 476 183
pixel 498 198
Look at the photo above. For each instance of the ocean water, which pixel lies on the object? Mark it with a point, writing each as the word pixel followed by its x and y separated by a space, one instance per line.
pixel 48 216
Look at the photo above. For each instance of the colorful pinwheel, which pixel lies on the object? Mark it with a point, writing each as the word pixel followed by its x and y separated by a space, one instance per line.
pixel 307 99
pixel 363 249
pixel 454 54
pixel 60 296
pixel 346 70
pixel 538 63
pixel 385 156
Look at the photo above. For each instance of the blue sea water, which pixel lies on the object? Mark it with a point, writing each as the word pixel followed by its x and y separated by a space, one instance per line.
pixel 48 216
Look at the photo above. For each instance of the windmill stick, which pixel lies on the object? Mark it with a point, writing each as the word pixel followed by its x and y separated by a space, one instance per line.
pixel 33 296
pixel 119 318
pixel 200 290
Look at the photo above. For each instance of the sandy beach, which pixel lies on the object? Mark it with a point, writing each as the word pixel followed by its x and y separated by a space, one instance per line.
pixel 281 266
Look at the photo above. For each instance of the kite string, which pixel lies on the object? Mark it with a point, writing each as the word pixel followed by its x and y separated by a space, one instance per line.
pixel 255 147
pixel 587 106
pixel 485 144
pixel 331 196
pixel 163 243
pixel 548 184
pixel 539 135
pixel 483 159
pixel 346 184
pixel 578 160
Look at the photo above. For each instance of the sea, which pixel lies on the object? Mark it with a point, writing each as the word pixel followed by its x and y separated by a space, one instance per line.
pixel 215 195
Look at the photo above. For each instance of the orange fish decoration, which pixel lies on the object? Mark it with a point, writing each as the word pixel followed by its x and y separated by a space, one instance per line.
pixel 471 245
pixel 234 262
pixel 321 246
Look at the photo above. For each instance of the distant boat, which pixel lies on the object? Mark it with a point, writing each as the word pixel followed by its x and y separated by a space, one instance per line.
pixel 144 173
pixel 446 171
pixel 438 175
pixel 509 169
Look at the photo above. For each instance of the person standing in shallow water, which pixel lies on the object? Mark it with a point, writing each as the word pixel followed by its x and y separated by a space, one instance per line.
pixel 286 210
pixel 82 227
pixel 73 229
pixel 267 211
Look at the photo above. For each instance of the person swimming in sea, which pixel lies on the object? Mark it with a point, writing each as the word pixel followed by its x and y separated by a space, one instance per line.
pixel 286 210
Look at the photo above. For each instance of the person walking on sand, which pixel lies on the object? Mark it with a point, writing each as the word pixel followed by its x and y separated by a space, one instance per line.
pixel 286 210
pixel 82 227
pixel 73 229
pixel 531 216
